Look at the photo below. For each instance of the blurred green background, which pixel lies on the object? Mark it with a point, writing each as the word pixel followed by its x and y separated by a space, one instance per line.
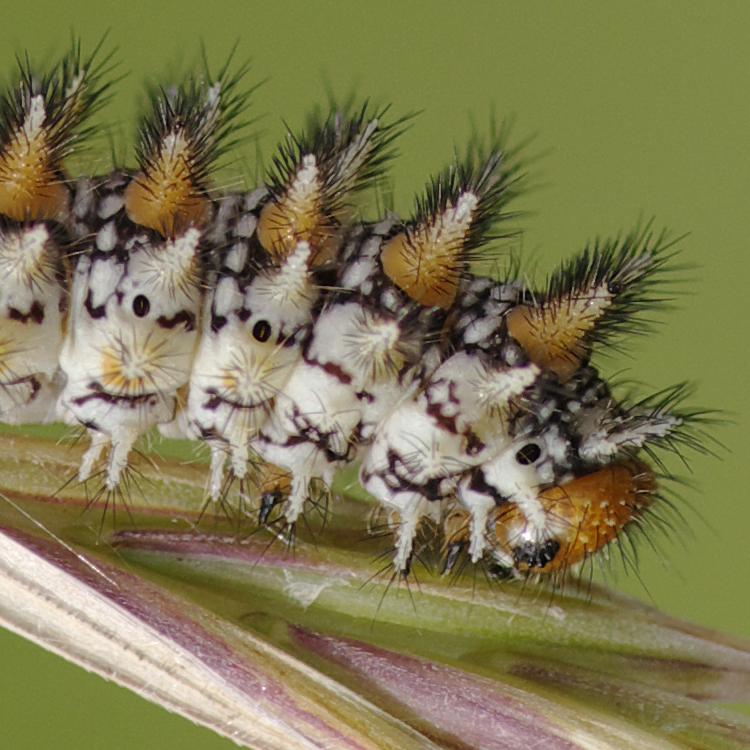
pixel 638 108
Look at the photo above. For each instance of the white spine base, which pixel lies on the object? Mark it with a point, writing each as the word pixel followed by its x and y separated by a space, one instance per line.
pixel 411 515
pixel 99 441
pixel 216 475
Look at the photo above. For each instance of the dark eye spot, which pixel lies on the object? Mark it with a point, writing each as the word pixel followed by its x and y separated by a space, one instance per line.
pixel 529 454
pixel 262 330
pixel 614 287
pixel 141 306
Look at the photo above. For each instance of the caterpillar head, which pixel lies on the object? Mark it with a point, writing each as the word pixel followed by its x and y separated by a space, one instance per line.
pixel 570 480
pixel 583 515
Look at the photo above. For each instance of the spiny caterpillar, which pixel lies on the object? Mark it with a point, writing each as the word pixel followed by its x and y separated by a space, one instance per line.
pixel 294 339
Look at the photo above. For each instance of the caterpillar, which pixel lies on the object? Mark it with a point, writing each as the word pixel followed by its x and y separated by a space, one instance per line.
pixel 294 339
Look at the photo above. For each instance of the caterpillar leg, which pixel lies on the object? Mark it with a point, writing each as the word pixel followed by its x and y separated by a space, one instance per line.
pixel 122 442
pixel 299 492
pixel 273 487
pixel 239 454
pixel 99 441
pixel 478 520
pixel 216 472
pixel 410 516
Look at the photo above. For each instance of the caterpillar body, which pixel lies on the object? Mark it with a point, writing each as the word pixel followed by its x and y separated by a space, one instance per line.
pixel 295 339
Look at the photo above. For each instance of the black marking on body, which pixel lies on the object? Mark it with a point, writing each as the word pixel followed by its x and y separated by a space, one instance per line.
pixel 181 318
pixel 30 380
pixel 397 478
pixel 474 445
pixel 306 432
pixel 435 407
pixel 217 322
pixel 216 400
pixel 449 423
pixel 35 314
pixel 100 311
pixel 478 483
pixel 330 368
pixel 99 394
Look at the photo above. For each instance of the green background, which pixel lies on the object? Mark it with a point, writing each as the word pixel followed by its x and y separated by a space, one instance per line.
pixel 638 108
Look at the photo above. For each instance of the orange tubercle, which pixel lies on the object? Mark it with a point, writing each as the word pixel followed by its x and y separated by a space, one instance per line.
pixel 282 226
pixel 164 197
pixel 298 215
pixel 553 334
pixel 428 278
pixel 426 261
pixel 30 189
pixel 165 205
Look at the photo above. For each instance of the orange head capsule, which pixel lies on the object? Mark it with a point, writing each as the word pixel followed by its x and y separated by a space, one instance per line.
pixel 583 516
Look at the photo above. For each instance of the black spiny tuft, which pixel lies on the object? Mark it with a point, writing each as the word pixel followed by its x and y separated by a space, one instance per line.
pixel 352 148
pixel 493 172
pixel 74 89
pixel 205 110
pixel 630 268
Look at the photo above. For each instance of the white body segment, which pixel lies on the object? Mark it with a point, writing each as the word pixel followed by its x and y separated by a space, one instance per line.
pixel 131 339
pixel 32 300
pixel 242 367
pixel 311 431
pixel 429 441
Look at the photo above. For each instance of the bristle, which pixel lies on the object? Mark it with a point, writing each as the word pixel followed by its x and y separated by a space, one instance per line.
pixel 589 299
pixel 662 421
pixel 316 174
pixel 456 214
pixel 180 141
pixel 42 120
